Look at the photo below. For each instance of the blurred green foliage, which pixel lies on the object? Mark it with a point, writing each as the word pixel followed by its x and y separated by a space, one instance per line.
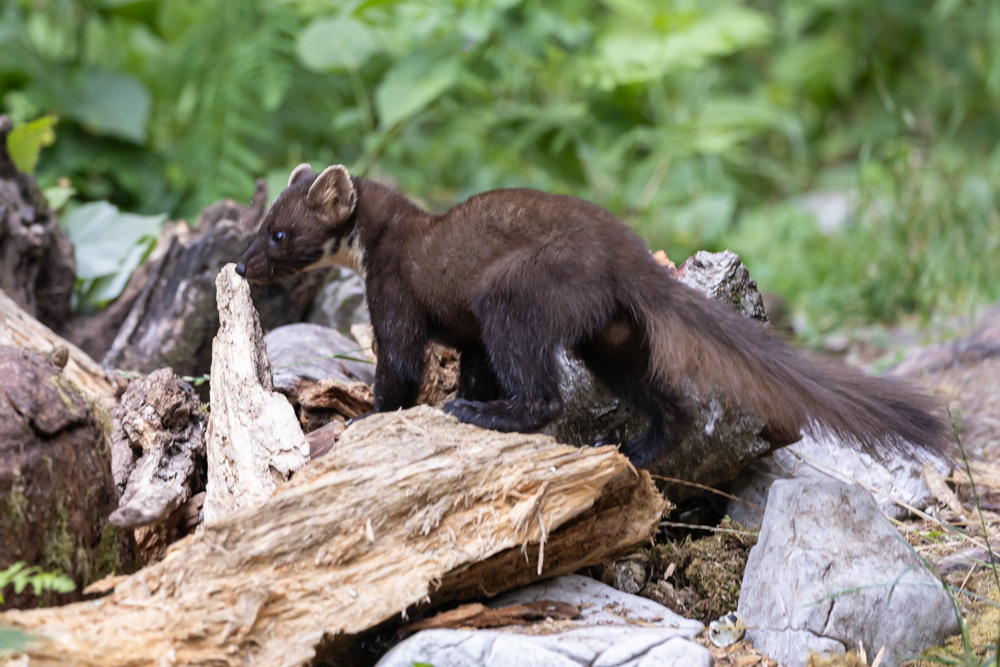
pixel 19 577
pixel 704 125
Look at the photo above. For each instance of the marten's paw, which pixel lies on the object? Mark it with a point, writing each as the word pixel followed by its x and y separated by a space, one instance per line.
pixel 505 415
pixel 358 418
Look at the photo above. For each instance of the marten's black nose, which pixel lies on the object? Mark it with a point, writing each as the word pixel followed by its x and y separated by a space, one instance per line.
pixel 241 269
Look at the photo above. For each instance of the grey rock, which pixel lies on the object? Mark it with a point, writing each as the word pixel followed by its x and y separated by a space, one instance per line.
pixel 617 630
pixel 306 351
pixel 897 477
pixel 341 302
pixel 829 571
pixel 604 604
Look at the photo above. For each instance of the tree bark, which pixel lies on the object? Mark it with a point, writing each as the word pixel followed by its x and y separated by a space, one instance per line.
pixel 37 267
pixel 56 489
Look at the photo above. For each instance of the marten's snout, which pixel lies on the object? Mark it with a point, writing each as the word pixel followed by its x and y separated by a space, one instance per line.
pixel 241 269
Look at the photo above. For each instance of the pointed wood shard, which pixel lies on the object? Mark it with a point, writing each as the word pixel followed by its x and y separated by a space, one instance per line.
pixel 254 439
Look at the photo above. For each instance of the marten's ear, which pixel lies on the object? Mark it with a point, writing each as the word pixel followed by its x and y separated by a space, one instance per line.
pixel 300 172
pixel 333 193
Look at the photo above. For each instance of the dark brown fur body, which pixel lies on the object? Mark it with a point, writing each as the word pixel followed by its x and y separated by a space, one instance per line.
pixel 509 277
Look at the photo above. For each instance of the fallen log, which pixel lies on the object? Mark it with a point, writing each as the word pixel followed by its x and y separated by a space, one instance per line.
pixel 19 329
pixel 408 508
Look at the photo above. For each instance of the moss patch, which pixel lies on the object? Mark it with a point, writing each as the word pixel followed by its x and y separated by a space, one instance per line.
pixel 59 551
pixel 108 557
pixel 101 416
pixel 15 513
pixel 66 390
pixel 700 578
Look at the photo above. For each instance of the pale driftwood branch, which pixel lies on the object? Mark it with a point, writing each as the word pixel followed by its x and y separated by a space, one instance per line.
pixel 254 439
pixel 407 508
pixel 20 329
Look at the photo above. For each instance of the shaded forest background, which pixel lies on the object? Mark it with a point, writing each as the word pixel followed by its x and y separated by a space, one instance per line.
pixel 848 150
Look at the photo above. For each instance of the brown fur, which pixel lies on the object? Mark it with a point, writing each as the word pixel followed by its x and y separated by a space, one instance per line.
pixel 511 276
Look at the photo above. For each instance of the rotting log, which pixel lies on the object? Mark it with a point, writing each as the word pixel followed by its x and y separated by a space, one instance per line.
pixel 408 508
pixel 19 329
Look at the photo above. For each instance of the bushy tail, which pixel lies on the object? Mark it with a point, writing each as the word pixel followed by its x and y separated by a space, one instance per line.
pixel 694 337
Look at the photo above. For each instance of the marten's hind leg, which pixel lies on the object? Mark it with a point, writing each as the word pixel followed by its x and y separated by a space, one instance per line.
pixel 618 356
pixel 521 348
pixel 476 381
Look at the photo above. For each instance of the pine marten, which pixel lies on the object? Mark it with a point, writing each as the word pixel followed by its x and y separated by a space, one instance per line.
pixel 508 277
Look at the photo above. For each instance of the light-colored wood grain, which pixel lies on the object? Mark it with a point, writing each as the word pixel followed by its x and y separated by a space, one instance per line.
pixel 254 440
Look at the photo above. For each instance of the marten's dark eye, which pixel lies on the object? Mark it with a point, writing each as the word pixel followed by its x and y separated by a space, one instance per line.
pixel 278 237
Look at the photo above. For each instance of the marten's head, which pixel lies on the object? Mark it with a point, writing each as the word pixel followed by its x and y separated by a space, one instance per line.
pixel 309 226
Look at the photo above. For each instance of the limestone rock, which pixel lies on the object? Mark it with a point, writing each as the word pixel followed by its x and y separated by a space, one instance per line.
pixel 309 352
pixel 616 630
pixel 340 303
pixel 829 571
pixel 897 477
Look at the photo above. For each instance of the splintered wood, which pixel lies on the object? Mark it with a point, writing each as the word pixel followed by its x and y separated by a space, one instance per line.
pixel 408 508
pixel 254 441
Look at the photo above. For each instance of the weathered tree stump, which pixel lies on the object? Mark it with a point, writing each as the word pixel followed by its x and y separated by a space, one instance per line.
pixel 56 489
pixel 158 458
pixel 37 267
pixel 254 439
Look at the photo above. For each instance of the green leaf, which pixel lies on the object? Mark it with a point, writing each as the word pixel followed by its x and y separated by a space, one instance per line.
pixel 111 103
pixel 12 639
pixel 412 85
pixel 337 43
pixel 58 195
pixel 25 142
pixel 109 245
pixel 639 55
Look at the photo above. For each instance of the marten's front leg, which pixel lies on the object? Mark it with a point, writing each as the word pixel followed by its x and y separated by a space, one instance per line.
pixel 400 346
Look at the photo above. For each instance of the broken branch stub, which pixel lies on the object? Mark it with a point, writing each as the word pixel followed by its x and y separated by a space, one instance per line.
pixel 409 507
pixel 159 417
pixel 254 439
